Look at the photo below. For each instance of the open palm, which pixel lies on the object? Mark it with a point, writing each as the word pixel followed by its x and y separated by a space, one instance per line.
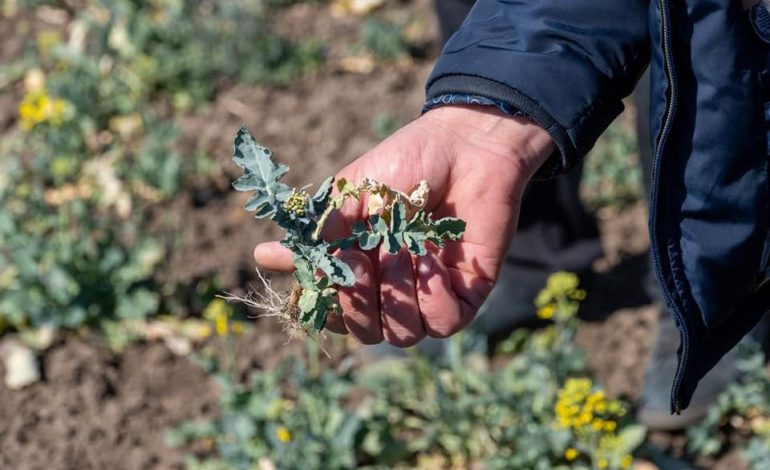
pixel 477 163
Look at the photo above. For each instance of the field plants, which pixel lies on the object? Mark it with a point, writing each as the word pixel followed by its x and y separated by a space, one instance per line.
pixel 396 220
pixel 612 176
pixel 94 154
pixel 742 412
pixel 530 406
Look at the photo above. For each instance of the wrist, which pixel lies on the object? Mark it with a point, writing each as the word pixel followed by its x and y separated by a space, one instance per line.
pixel 517 140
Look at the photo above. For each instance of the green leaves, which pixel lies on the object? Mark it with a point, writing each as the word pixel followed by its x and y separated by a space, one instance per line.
pixel 338 272
pixel 321 199
pixel 400 233
pixel 260 173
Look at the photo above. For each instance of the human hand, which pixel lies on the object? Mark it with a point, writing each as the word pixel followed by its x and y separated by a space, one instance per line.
pixel 477 162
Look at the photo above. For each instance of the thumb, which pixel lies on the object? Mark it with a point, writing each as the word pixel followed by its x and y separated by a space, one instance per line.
pixel 273 257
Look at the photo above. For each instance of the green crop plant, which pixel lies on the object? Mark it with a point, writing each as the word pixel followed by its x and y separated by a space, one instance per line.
pixel 612 176
pixel 396 220
pixel 741 411
pixel 532 406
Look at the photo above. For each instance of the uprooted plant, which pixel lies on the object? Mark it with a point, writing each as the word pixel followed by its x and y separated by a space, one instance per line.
pixel 395 219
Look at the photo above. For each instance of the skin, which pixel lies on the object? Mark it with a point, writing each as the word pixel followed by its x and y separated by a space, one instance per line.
pixel 477 162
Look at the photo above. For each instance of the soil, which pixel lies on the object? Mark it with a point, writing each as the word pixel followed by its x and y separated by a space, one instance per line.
pixel 96 409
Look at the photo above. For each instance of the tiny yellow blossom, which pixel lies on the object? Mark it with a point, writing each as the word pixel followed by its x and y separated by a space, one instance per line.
pixel 546 312
pixel 37 107
pixel 295 204
pixel 626 461
pixel 601 407
pixel 220 325
pixel 570 454
pixel 219 312
pixel 562 282
pixel 602 463
pixel 613 407
pixel 284 435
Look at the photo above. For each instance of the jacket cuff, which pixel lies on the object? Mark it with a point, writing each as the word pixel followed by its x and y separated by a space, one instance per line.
pixel 565 156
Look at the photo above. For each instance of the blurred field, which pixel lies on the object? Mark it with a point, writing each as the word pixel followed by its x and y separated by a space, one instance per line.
pixel 118 227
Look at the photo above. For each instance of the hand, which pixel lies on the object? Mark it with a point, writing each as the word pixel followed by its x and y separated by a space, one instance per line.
pixel 477 162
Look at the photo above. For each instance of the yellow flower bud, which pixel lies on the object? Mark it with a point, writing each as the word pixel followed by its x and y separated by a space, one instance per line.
pixel 546 312
pixel 626 461
pixel 283 434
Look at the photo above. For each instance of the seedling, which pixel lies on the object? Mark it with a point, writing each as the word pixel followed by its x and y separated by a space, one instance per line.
pixel 395 219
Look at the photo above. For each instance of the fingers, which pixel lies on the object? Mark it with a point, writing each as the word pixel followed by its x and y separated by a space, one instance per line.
pixel 273 257
pixel 401 321
pixel 441 311
pixel 360 303
pixel 335 324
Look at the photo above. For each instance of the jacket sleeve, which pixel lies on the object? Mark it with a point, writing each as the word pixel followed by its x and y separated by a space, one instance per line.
pixel 566 64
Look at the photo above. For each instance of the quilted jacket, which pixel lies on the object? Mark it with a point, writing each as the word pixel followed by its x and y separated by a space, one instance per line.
pixel 567 65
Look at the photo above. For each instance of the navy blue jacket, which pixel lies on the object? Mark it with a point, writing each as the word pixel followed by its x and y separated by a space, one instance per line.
pixel 567 64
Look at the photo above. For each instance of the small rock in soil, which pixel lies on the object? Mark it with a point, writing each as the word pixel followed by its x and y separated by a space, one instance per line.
pixel 21 367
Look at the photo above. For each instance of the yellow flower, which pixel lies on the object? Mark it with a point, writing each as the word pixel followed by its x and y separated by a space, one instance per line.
pixel 569 408
pixel 610 426
pixel 626 461
pixel 546 312
pixel 596 398
pixel 295 204
pixel 562 283
pixel 602 463
pixel 220 325
pixel 283 434
pixel 37 107
pixel 570 454
pixel 601 407
pixel 614 407
pixel 219 312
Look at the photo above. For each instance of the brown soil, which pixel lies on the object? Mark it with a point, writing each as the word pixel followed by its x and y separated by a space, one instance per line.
pixel 96 410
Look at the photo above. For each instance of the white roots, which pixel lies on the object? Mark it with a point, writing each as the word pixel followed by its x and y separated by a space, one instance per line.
pixel 273 304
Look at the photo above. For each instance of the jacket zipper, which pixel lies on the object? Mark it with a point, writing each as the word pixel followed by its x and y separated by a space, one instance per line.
pixel 668 65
